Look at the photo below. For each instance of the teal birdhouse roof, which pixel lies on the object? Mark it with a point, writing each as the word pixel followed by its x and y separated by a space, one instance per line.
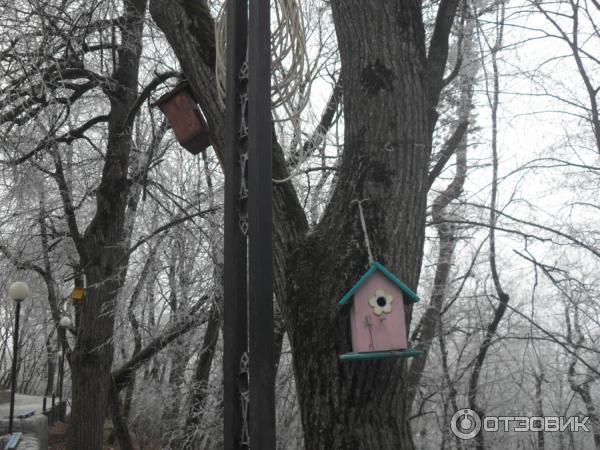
pixel 377 267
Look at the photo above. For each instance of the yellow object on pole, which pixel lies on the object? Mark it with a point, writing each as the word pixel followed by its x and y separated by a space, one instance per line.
pixel 77 294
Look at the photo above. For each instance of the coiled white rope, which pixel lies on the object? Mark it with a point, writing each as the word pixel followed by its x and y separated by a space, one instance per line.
pixel 289 65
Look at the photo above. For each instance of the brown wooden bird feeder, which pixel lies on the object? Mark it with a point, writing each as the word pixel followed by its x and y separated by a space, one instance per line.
pixel 185 118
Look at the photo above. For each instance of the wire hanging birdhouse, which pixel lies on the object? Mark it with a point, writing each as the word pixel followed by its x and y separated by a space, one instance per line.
pixel 378 317
pixel 185 118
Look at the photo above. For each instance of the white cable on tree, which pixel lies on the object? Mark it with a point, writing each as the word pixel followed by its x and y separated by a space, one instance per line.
pixel 288 50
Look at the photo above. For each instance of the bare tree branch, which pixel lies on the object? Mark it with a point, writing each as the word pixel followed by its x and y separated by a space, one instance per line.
pixel 447 152
pixel 437 56
pixel 123 374
pixel 67 201
pixel 325 124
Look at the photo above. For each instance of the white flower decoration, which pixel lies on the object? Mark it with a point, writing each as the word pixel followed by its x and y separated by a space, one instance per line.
pixel 381 302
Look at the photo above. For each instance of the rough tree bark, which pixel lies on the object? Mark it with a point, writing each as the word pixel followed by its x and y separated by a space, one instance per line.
pixel 388 124
pixel 101 248
pixel 539 407
pixel 391 86
pixel 576 338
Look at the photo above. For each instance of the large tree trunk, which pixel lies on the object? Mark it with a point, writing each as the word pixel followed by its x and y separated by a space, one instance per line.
pixel 91 360
pixel 102 249
pixel 351 405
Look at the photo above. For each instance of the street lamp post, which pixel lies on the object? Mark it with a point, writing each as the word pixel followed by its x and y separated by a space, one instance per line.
pixel 64 324
pixel 18 291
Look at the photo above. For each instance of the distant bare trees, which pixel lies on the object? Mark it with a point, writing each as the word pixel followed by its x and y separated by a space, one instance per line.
pixel 94 193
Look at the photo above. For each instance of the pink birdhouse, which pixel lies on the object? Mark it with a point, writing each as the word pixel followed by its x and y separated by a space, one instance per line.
pixel 377 318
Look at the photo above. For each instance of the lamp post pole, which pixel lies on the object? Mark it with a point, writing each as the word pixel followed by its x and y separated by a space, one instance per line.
pixel 18 291
pixel 13 375
pixel 64 324
pixel 61 373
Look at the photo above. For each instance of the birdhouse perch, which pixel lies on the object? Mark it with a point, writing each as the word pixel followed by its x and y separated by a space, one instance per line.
pixel 378 317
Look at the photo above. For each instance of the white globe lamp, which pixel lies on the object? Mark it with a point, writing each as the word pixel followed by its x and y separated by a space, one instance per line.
pixel 65 322
pixel 18 291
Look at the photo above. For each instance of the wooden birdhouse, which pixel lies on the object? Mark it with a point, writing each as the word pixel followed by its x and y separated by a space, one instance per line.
pixel 185 118
pixel 377 317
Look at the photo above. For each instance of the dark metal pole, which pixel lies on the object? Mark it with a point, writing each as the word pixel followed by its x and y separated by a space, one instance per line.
pixel 260 289
pixel 61 375
pixel 61 369
pixel 235 309
pixel 13 375
pixel 53 411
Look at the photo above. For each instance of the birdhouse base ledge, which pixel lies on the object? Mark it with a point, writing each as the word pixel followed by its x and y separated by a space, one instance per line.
pixel 363 356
